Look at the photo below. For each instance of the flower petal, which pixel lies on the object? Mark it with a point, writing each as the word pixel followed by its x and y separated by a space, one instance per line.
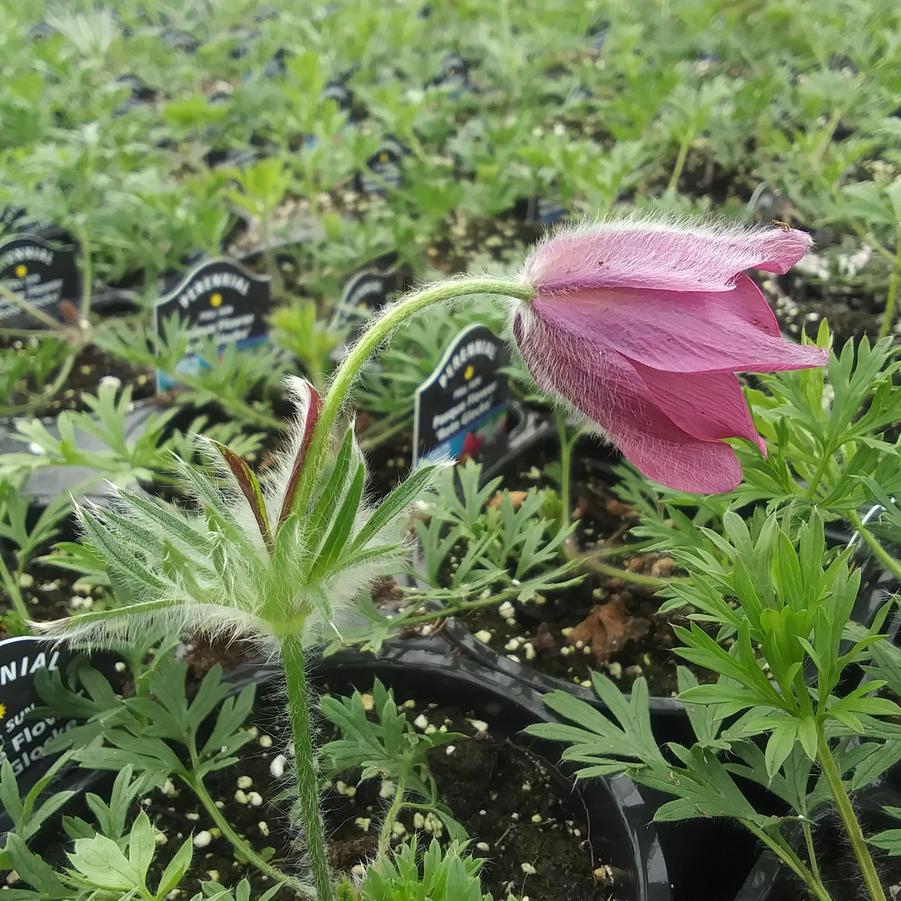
pixel 607 389
pixel 683 331
pixel 659 256
pixel 708 405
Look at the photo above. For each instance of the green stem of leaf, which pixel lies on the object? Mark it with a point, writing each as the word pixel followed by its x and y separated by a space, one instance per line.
pixel 811 851
pixel 305 766
pixel 881 554
pixel 680 162
pixel 592 563
pixel 87 273
pixel 891 300
pixel 846 812
pixel 196 785
pixel 10 583
pixel 793 862
pixel 387 828
pixel 567 439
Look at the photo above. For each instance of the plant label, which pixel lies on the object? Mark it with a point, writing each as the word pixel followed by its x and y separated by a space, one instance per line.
pixel 39 272
pixel 454 74
pixel 22 736
pixel 767 204
pixel 338 91
pixel 222 304
pixel 461 410
pixel 180 41
pixel 368 289
pixel 384 169
pixel 541 210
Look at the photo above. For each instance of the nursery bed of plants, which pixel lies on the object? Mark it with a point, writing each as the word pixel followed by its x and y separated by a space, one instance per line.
pixel 317 578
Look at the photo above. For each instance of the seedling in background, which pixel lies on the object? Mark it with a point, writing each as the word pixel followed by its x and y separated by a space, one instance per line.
pixel 298 329
pixel 21 542
pixel 262 188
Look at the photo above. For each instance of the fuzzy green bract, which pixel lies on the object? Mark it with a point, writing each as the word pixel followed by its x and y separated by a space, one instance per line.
pixel 450 875
pixel 246 560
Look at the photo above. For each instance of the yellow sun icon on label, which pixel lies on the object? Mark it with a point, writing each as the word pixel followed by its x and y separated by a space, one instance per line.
pixel 2 711
pixel 21 270
pixel 469 372
pixel 216 300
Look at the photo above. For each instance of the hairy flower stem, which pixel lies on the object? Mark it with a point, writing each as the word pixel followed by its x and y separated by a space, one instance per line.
pixel 370 341
pixel 846 811
pixel 305 766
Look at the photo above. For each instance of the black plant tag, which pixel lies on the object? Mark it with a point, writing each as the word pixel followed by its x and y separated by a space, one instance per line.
pixel 338 90
pixel 767 204
pixel 218 300
pixel 39 272
pixel 23 738
pixel 368 289
pixel 454 74
pixel 384 169
pixel 461 409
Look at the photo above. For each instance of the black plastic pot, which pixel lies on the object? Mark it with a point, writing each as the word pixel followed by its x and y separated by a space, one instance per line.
pixel 617 813
pixel 770 880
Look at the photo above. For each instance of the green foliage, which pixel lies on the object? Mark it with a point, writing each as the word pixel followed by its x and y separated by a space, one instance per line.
pixel 25 539
pixel 217 569
pixel 386 746
pixel 25 374
pixel 498 540
pixel 27 814
pixel 444 874
pixel 478 546
pixel 107 861
pixel 139 731
pixel 769 622
pixel 242 384
pixel 100 440
pixel 307 338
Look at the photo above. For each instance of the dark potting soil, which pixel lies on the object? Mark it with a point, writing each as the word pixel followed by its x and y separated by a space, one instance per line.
pixel 629 640
pixel 604 623
pixel 533 837
pixel 52 593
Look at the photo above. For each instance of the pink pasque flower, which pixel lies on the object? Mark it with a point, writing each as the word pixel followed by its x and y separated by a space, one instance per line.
pixel 642 327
